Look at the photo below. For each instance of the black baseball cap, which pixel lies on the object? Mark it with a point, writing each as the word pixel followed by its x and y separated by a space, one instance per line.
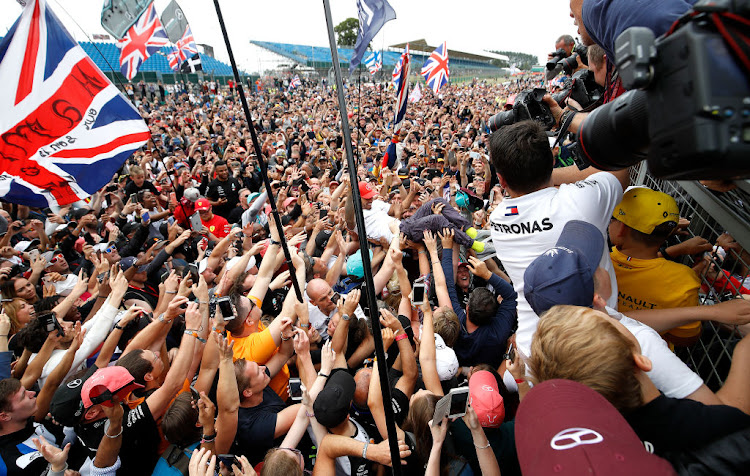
pixel 332 405
pixel 66 406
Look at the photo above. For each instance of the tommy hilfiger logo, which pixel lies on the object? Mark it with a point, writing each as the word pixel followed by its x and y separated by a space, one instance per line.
pixel 510 211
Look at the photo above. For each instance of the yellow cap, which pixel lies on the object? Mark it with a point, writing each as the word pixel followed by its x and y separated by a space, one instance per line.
pixel 644 209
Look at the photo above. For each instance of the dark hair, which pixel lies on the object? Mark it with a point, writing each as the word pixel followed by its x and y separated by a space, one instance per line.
pixel 33 336
pixel 8 387
pixel 522 156
pixel 656 238
pixel 235 325
pixel 8 289
pixel 219 163
pixel 47 303
pixel 179 421
pixel 136 365
pixel 482 306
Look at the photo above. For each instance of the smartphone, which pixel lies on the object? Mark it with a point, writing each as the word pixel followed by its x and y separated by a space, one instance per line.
pixel 170 220
pixel 229 460
pixel 51 323
pixel 295 389
pixel 192 270
pixel 194 393
pixel 323 214
pixel 335 298
pixel 226 307
pixel 145 216
pixel 34 254
pixel 195 222
pixel 442 407
pixel 173 198
pixel 474 155
pixel 304 187
pixel 459 402
pixel 418 292
pixel 511 353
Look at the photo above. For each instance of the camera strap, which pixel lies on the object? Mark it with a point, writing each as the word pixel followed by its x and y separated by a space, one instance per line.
pixel 567 121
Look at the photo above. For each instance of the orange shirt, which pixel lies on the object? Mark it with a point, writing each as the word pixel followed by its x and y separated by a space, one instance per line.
pixel 260 347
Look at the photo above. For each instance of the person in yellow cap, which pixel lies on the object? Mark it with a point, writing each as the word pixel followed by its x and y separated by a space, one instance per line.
pixel 640 225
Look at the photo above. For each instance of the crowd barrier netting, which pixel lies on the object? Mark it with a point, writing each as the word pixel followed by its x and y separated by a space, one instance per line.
pixel 711 214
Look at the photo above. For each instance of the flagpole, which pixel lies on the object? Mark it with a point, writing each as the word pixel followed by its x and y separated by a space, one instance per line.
pixel 261 161
pixel 385 387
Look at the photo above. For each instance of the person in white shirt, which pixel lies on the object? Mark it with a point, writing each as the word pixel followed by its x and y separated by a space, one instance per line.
pixel 569 274
pixel 97 329
pixel 530 221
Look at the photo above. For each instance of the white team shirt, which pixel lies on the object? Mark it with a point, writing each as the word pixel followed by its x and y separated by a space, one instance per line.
pixel 525 227
pixel 377 221
pixel 670 374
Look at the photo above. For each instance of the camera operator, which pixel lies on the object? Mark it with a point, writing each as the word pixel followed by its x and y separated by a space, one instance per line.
pixel 565 47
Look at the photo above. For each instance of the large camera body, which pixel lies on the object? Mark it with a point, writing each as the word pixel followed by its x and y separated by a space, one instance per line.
pixel 527 106
pixel 692 121
pixel 582 88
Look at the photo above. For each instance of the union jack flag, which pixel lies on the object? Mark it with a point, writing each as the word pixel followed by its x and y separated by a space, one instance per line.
pixel 295 82
pixel 435 69
pixel 143 39
pixel 65 129
pixel 397 68
pixel 375 62
pixel 402 90
pixel 184 49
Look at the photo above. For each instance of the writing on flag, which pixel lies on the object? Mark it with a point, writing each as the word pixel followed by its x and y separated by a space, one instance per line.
pixel 65 128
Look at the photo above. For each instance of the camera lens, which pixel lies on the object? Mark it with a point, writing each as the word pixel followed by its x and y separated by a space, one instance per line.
pixel 615 135
pixel 502 118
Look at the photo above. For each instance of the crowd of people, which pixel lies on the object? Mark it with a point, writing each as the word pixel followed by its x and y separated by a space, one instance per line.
pixel 159 328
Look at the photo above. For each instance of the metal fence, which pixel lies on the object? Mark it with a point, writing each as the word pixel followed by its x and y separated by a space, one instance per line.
pixel 724 274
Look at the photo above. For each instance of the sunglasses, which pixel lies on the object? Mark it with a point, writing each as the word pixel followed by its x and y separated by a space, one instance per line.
pixel 56 258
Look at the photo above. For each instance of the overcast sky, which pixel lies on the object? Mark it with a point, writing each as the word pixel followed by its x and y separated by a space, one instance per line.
pixel 529 26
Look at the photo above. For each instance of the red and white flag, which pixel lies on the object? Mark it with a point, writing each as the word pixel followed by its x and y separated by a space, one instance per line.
pixel 65 128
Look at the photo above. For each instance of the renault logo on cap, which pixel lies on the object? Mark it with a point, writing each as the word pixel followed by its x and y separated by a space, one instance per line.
pixel 573 437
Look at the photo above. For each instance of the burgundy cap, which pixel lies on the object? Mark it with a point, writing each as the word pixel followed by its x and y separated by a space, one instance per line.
pixel 566 428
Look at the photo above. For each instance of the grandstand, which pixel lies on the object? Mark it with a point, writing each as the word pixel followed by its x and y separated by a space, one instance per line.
pixel 463 63
pixel 106 55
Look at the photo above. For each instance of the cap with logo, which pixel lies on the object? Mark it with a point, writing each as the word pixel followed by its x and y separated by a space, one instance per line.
pixel 366 191
pixel 66 406
pixel 486 399
pixel 202 204
pixel 644 209
pixel 566 428
pixel 565 274
pixel 105 384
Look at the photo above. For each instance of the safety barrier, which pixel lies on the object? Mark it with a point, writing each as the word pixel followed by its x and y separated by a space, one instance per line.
pixel 711 214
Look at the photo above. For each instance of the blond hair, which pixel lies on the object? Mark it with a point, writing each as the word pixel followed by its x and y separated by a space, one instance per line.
pixel 580 344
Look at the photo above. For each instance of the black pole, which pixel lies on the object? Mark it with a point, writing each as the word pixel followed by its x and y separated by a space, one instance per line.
pixel 261 162
pixel 369 284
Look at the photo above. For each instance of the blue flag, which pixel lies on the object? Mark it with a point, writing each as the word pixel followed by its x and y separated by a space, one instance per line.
pixel 372 16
